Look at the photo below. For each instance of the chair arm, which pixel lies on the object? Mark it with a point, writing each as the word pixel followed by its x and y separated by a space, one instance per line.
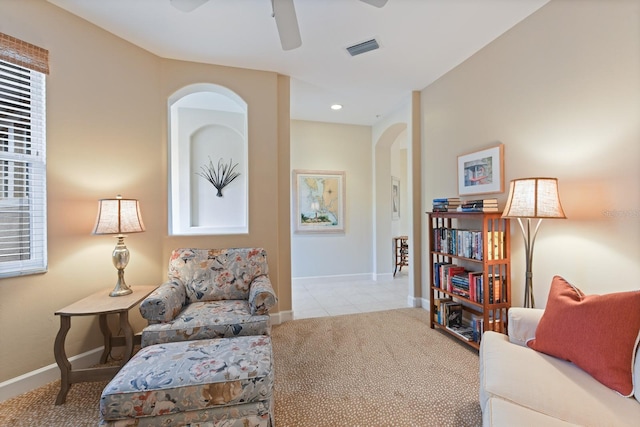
pixel 165 303
pixel 261 295
pixel 523 323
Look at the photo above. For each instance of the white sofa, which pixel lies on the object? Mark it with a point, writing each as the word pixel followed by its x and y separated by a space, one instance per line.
pixel 522 387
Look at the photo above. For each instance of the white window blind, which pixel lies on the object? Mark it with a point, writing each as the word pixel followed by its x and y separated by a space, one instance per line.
pixel 23 219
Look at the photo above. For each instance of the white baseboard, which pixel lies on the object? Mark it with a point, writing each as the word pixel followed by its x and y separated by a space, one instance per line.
pixel 281 317
pixel 330 279
pixel 414 302
pixel 383 277
pixel 34 379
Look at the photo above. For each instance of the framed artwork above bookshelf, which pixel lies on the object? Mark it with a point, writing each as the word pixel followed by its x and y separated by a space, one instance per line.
pixel 481 172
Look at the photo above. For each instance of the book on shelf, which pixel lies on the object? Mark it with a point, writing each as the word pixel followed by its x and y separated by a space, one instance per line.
pixel 495 322
pixel 438 309
pixel 475 285
pixel 447 200
pixel 437 275
pixel 453 313
pixel 463 243
pixel 495 245
pixel 477 325
pixel 439 208
pixel 446 204
pixel 482 202
pixel 495 288
pixel 468 284
pixel 479 205
pixel 478 209
pixel 448 271
pixel 463 331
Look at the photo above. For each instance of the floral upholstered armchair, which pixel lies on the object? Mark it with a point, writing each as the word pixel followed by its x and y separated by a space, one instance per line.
pixel 211 293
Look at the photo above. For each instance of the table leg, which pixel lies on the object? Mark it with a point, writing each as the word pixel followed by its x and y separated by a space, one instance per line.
pixel 127 330
pixel 106 334
pixel 61 359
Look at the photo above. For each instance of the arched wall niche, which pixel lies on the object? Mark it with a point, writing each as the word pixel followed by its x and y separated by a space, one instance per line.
pixel 207 133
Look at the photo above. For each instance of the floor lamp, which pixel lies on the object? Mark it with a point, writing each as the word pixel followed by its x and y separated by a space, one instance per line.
pixel 118 216
pixel 532 198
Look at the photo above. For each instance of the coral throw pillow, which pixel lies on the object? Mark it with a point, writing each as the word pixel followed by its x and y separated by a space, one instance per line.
pixel 598 333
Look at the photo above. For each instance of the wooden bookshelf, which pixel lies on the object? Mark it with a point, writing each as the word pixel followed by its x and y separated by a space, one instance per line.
pixel 479 243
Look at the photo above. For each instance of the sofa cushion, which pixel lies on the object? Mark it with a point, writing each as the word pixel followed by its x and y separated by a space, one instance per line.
pixel 501 413
pixel 254 414
pixel 217 274
pixel 206 320
pixel 189 376
pixel 548 385
pixel 523 323
pixel 599 333
pixel 636 375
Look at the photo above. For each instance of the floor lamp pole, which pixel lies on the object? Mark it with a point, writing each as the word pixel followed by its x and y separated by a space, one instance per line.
pixel 529 241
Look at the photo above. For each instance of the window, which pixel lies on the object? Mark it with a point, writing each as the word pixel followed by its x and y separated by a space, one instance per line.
pixel 23 222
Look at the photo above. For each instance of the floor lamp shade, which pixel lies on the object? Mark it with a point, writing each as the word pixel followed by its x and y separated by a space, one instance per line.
pixel 119 216
pixel 532 198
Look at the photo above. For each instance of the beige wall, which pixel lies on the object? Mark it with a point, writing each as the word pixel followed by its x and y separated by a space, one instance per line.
pixel 336 147
pixel 561 90
pixel 107 134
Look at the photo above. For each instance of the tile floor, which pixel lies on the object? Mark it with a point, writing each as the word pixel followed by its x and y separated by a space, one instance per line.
pixel 357 296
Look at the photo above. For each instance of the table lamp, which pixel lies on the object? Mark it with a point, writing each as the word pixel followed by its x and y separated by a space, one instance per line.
pixel 532 198
pixel 118 216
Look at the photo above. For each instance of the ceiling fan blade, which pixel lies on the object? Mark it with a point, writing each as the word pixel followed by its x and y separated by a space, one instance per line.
pixel 287 23
pixel 187 5
pixel 376 3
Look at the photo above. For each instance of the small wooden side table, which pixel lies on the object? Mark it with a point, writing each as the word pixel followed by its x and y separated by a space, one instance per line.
pixel 401 253
pixel 100 304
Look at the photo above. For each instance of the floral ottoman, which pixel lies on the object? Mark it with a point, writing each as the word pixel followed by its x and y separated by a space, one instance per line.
pixel 217 382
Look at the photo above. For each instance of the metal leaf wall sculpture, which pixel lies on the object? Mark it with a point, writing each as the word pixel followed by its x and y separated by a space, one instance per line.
pixel 221 176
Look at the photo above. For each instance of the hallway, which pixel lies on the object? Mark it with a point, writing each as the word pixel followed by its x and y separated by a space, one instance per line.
pixel 349 297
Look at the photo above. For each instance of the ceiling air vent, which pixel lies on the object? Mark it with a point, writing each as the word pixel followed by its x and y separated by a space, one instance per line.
pixel 363 47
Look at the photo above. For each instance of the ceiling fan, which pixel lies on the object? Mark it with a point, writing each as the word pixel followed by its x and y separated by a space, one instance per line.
pixel 284 13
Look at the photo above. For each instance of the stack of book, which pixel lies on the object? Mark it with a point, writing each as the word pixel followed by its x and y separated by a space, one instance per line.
pixel 446 204
pixel 480 205
pixel 465 332
pixel 448 313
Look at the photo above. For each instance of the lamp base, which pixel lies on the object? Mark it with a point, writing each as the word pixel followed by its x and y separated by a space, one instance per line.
pixel 121 287
pixel 118 292
pixel 120 257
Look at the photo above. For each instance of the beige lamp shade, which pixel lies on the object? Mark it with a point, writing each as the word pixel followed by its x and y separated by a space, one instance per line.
pixel 118 216
pixel 533 198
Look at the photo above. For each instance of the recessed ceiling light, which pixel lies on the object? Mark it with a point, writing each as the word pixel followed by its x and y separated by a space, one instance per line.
pixel 336 107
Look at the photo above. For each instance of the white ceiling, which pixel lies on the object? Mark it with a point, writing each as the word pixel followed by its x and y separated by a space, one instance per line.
pixel 420 40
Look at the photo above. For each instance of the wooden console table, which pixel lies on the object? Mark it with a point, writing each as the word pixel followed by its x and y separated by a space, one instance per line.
pixel 100 304
pixel 401 252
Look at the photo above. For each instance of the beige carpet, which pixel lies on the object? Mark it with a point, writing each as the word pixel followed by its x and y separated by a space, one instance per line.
pixel 385 368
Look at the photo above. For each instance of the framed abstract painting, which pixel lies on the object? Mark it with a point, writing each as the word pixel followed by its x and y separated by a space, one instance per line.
pixel 481 172
pixel 395 198
pixel 319 201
